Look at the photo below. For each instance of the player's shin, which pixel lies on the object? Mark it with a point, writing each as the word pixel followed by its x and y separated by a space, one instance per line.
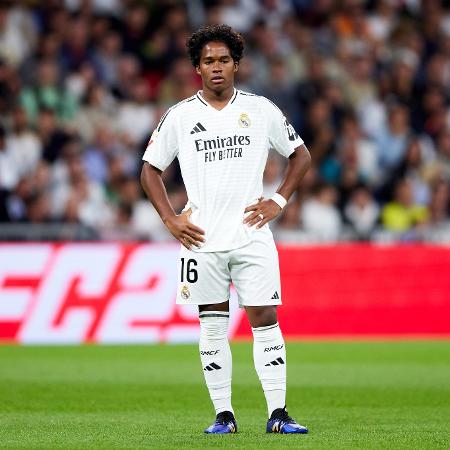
pixel 269 355
pixel 215 355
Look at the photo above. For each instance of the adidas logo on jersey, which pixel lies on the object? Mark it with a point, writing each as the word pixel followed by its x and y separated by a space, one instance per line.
pixel 277 362
pixel 198 128
pixel 275 296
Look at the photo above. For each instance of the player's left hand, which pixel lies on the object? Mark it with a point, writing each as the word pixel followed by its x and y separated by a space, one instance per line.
pixel 262 212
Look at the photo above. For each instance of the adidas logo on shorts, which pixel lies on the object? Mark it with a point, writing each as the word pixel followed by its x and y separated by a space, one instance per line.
pixel 275 296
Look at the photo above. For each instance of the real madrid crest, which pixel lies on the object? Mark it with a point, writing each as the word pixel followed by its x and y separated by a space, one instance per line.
pixel 244 120
pixel 185 294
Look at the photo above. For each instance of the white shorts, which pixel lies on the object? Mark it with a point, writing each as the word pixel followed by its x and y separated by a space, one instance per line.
pixel 205 278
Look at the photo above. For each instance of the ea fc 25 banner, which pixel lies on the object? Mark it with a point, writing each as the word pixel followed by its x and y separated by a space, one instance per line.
pixel 125 293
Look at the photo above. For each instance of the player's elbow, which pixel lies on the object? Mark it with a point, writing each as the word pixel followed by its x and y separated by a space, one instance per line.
pixel 305 158
pixel 301 159
pixel 143 177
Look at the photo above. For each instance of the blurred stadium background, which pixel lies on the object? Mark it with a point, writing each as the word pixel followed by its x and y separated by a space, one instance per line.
pixel 366 84
pixel 364 244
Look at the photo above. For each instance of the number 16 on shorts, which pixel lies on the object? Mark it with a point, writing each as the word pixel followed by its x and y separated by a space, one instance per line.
pixel 203 278
pixel 188 270
pixel 188 274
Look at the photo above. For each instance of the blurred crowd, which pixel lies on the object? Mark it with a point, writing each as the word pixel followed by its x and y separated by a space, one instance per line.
pixel 366 84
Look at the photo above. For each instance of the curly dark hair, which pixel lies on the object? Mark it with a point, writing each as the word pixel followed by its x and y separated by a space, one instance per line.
pixel 219 33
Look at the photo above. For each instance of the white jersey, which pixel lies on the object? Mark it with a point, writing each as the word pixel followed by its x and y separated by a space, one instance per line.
pixel 222 156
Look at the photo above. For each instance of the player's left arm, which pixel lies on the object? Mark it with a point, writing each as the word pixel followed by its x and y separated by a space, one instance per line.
pixel 266 210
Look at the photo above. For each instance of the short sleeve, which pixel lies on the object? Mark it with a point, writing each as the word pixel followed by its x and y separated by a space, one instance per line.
pixel 282 136
pixel 162 148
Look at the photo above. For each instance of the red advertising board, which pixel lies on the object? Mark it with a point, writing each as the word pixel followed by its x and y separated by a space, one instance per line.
pixel 125 293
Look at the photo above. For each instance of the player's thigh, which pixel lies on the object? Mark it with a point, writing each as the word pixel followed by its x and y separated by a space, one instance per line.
pixel 223 307
pixel 203 278
pixel 255 272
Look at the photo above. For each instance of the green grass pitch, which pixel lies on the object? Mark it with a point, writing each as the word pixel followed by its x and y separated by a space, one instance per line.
pixel 393 395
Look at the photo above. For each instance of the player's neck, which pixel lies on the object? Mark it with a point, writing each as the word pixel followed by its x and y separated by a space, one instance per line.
pixel 217 99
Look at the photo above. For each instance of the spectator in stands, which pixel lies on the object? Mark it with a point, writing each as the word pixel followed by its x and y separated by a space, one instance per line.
pixel 9 171
pixel 402 215
pixel 319 131
pixel 320 216
pixel 359 87
pixel 80 200
pixel 137 116
pixel 37 206
pixel 361 213
pixel 48 93
pixel 96 157
pixel 353 149
pixel 281 89
pixel 128 70
pixel 48 48
pixel 134 29
pixel 9 85
pixel 440 167
pixel 439 223
pixel 17 33
pixel 27 186
pixel 52 137
pixel 23 143
pixel 181 82
pixel 97 109
pixel 392 141
pixel 75 49
pixel 80 81
pixel 381 21
pixel 413 168
pixel 440 203
pixel 239 14
pixel 106 57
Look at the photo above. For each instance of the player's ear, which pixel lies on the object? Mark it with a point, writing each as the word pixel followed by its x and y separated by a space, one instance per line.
pixel 197 69
pixel 236 67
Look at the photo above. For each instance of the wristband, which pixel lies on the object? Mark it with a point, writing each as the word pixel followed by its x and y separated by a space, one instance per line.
pixel 279 200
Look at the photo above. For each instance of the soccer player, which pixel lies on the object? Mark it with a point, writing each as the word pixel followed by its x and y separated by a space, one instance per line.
pixel 222 137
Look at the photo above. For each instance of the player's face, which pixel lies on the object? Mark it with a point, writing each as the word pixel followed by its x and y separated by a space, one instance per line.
pixel 216 67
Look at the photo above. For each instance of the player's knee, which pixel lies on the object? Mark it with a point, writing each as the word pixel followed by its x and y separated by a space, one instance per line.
pixel 262 316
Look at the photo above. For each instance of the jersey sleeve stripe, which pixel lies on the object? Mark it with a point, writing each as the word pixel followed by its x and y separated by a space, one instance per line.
pixel 163 118
pixel 248 94
pixel 268 99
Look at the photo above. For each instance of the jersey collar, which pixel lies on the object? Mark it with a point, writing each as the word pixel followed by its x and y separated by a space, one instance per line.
pixel 232 99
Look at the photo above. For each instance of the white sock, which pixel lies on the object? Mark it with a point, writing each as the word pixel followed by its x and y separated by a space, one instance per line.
pixel 269 354
pixel 215 355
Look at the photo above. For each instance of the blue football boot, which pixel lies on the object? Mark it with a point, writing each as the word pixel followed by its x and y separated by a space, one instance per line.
pixel 281 422
pixel 225 423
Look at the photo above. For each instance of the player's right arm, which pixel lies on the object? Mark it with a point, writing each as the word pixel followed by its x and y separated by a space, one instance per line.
pixel 179 225
pixel 161 151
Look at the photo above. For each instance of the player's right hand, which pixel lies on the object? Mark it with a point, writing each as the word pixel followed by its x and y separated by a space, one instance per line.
pixel 184 230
